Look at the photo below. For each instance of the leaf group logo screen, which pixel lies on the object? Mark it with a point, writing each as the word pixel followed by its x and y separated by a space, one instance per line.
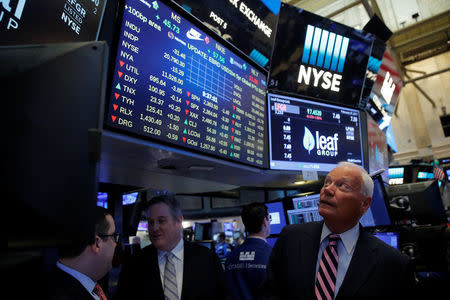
pixel 306 135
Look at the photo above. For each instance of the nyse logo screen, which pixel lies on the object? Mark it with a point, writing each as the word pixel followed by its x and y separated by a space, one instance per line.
pixel 328 52
pixel 318 58
pixel 305 135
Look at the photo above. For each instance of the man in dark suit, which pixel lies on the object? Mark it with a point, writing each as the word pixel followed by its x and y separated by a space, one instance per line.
pixel 336 258
pixel 81 265
pixel 171 268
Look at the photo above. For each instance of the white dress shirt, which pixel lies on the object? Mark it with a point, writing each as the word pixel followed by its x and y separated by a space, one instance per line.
pixel 178 253
pixel 85 281
pixel 345 248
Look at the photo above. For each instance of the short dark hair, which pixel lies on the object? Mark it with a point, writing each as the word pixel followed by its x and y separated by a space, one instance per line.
pixel 75 248
pixel 253 215
pixel 168 200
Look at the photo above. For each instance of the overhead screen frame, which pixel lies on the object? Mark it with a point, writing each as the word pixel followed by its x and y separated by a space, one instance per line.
pixel 362 126
pixel 115 47
pixel 285 72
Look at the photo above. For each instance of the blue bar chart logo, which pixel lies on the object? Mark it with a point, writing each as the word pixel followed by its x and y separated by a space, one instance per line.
pixel 325 49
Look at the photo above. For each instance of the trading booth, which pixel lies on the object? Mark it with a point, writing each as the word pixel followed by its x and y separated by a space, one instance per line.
pixel 222 104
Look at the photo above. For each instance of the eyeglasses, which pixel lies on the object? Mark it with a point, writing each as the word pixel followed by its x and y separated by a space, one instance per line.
pixel 115 236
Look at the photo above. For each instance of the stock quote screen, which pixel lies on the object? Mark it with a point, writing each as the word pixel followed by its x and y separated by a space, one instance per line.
pixel 174 82
pixel 306 135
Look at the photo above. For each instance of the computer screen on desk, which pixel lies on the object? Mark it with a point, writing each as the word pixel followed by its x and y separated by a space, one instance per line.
pixel 419 202
pixel 277 216
pixel 390 238
pixel 378 214
pixel 305 209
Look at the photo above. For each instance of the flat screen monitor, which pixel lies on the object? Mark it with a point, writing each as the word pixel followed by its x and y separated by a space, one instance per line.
pixel 378 213
pixel 305 209
pixel 175 81
pixel 307 135
pixel 198 231
pixel 65 21
pixel 277 216
pixel 378 155
pixel 319 58
pixel 249 25
pixel 396 175
pixel 206 244
pixel 271 241
pixel 447 173
pixel 102 199
pixel 142 225
pixel 421 201
pixel 228 228
pixel 390 238
pixel 129 198
pixel 376 56
pixel 423 173
pixel 55 98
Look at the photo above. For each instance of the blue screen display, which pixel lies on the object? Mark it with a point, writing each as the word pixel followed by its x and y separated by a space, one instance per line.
pixel 377 214
pixel 271 241
pixel 129 198
pixel 390 238
pixel 175 83
pixel 305 135
pixel 277 217
pixel 102 199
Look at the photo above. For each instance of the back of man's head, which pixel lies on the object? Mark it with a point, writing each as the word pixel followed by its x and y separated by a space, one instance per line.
pixel 253 215
pixel 76 247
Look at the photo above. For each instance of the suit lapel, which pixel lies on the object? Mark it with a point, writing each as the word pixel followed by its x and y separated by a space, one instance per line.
pixel 154 275
pixel 187 266
pixel 361 265
pixel 309 248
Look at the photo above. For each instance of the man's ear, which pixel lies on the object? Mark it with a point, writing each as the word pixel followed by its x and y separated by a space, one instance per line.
pixel 95 247
pixel 180 220
pixel 366 204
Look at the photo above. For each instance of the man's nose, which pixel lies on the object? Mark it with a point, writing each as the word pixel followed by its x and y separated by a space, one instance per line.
pixel 330 188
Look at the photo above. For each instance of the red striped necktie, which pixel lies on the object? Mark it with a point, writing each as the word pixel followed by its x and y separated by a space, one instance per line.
pixel 99 292
pixel 326 277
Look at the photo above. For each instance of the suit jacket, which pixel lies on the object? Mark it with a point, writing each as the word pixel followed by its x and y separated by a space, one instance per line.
pixel 203 275
pixel 376 270
pixel 63 286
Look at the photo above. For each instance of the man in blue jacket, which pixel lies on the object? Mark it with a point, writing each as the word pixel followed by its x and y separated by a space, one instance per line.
pixel 245 266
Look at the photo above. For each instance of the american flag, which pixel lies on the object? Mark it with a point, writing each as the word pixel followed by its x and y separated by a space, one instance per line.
pixel 438 173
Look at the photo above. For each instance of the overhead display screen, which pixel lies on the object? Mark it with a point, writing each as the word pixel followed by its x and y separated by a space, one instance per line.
pixel 316 57
pixel 306 135
pixel 250 25
pixel 175 82
pixel 39 22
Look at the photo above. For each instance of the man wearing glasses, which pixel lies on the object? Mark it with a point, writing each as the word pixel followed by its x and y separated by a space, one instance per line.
pixel 80 266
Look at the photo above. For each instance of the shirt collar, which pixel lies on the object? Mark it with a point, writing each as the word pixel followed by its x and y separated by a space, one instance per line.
pixel 177 251
pixel 86 281
pixel 348 238
pixel 257 237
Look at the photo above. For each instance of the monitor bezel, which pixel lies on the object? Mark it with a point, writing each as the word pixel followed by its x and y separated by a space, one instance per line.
pixel 362 120
pixel 199 24
pixel 384 193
